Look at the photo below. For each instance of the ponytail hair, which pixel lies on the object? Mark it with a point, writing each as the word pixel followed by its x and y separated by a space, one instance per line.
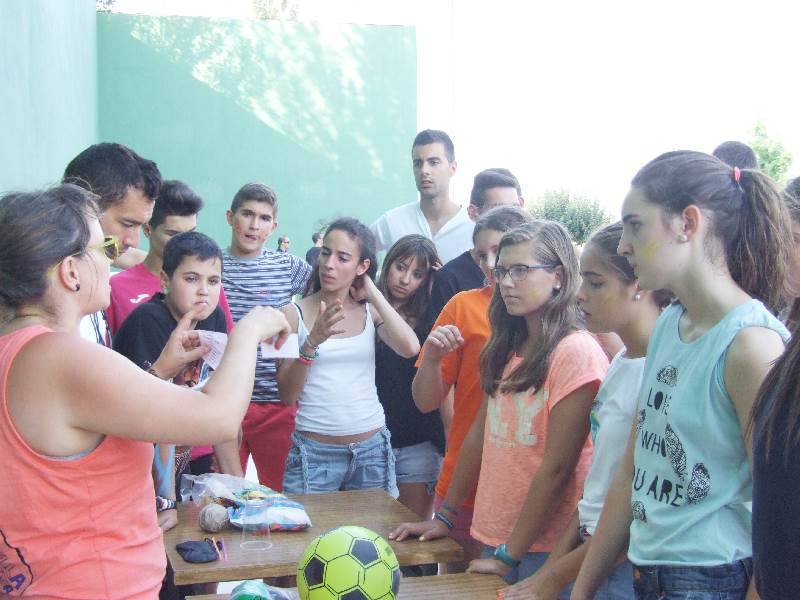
pixel 553 247
pixel 605 242
pixel 746 210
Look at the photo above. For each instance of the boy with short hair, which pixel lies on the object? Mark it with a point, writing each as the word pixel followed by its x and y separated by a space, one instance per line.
pixel 192 278
pixel 255 275
pixel 175 211
pixel 127 185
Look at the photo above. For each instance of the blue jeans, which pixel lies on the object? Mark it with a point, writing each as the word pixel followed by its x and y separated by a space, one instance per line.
pixel 530 563
pixel 619 583
pixel 313 467
pixel 722 582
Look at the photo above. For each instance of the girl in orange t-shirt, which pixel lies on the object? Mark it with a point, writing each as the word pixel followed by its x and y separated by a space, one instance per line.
pixel 528 448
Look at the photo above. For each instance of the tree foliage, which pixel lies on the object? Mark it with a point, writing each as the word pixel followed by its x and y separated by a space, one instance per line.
pixel 773 158
pixel 578 214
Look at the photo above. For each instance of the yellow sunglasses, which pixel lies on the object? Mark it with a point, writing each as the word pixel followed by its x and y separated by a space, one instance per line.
pixel 110 246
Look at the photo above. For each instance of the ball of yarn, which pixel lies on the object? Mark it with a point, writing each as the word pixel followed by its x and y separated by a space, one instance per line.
pixel 213 518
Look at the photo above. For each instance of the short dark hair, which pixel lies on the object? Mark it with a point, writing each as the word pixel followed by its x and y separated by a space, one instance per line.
pixel 110 170
pixel 38 230
pixel 502 218
pixel 793 188
pixel 434 136
pixel 255 191
pixel 316 236
pixel 176 199
pixel 190 243
pixel 736 154
pixel 491 178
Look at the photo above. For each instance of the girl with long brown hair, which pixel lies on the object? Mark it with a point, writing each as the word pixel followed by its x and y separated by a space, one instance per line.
pixel 528 448
pixel 417 438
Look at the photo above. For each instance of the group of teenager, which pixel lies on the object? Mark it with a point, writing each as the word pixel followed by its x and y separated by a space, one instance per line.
pixel 617 422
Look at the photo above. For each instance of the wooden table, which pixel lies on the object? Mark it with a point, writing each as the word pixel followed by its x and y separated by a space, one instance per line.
pixel 373 509
pixel 462 586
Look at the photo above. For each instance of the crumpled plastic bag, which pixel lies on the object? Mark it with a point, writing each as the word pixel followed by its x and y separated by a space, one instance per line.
pixel 258 590
pixel 275 511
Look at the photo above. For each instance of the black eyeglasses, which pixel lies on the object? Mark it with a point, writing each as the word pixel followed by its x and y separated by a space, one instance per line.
pixel 517 272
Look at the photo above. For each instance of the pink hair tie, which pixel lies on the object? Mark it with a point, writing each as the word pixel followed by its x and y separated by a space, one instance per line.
pixel 737 174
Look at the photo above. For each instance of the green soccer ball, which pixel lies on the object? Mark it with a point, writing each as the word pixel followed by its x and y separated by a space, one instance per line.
pixel 348 563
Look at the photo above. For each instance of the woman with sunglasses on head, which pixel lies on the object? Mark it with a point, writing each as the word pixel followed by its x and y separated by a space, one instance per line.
pixel 528 448
pixel 76 426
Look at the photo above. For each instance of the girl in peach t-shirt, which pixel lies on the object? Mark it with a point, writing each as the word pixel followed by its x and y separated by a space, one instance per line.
pixel 528 448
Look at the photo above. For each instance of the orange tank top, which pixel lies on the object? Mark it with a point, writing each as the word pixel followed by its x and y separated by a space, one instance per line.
pixel 77 528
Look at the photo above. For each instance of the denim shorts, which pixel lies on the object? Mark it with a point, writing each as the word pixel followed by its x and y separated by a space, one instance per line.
pixel 721 582
pixel 313 467
pixel 419 463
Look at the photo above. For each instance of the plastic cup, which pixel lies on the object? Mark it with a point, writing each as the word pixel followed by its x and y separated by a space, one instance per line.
pixel 255 530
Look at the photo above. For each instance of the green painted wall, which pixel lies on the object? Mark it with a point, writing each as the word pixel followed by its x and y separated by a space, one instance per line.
pixel 48 77
pixel 325 114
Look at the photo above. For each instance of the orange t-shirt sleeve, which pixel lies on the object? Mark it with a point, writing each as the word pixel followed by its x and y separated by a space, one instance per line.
pixel 577 361
pixel 451 363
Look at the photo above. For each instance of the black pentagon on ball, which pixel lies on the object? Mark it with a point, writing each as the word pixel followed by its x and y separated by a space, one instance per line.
pixel 355 594
pixel 365 552
pixel 395 581
pixel 314 572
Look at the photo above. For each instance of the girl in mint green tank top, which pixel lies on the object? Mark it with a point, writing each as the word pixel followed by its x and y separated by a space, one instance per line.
pixel 718 237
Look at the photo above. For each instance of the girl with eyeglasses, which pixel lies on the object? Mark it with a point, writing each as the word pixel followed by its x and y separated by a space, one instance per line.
pixel 611 301
pixel 528 448
pixel 76 427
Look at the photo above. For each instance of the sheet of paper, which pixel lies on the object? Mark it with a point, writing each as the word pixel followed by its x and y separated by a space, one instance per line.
pixel 290 348
pixel 217 342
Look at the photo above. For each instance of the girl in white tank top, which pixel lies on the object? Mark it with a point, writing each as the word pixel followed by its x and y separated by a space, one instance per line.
pixel 341 441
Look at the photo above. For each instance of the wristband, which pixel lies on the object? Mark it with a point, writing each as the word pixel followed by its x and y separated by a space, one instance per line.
pixel 163 504
pixel 304 360
pixel 504 557
pixel 440 517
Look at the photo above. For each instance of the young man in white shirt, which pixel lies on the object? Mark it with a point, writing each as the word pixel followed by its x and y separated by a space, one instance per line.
pixel 434 215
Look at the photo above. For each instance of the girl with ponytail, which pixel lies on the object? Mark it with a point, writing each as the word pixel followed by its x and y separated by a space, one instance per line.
pixel 719 238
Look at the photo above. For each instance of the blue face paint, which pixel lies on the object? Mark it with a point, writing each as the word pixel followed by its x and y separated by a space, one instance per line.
pixel 164 471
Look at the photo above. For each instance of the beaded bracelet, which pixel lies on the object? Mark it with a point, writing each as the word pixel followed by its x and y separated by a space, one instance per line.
pixel 304 360
pixel 303 354
pixel 440 517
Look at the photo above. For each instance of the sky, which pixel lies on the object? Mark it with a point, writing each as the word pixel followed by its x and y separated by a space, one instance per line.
pixel 578 95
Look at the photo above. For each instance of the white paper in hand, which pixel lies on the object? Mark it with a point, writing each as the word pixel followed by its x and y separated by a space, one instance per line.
pixel 290 348
pixel 217 342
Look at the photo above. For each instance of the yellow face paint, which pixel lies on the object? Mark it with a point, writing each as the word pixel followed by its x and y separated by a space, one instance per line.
pixel 649 250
